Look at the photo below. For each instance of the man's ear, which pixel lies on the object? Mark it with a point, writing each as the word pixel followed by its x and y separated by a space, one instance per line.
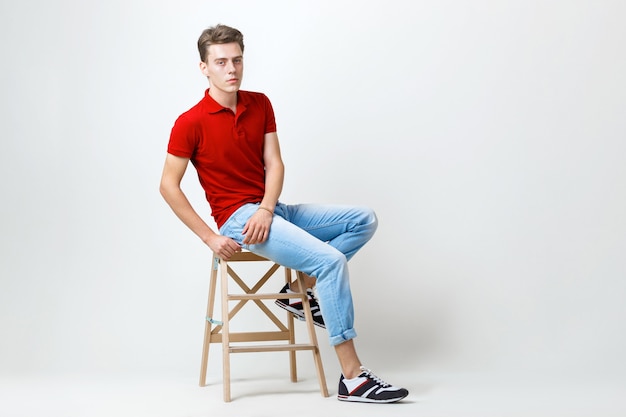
pixel 204 68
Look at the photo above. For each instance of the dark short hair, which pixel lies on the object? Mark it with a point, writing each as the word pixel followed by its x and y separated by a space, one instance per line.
pixel 217 35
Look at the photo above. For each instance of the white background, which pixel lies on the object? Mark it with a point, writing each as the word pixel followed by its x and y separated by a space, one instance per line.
pixel 489 137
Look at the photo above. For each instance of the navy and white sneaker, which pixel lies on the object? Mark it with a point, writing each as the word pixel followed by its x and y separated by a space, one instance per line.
pixel 368 388
pixel 294 305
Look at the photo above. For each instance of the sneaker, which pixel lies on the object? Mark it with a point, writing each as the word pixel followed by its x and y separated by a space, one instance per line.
pixel 294 305
pixel 368 388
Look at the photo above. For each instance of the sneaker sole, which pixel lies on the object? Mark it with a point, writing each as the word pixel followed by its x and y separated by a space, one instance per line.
pixel 296 313
pixel 369 400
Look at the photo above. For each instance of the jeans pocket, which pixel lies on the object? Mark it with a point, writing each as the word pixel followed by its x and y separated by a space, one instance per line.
pixel 235 223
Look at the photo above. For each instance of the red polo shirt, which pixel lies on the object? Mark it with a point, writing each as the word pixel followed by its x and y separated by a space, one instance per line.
pixel 226 149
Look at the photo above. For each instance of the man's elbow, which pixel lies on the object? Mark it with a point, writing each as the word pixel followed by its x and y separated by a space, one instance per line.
pixel 276 166
pixel 165 189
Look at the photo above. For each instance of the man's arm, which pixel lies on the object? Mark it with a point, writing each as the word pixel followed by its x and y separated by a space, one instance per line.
pixel 257 228
pixel 173 173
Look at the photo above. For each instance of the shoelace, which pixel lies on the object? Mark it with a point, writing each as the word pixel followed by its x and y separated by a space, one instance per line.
pixel 378 380
pixel 315 308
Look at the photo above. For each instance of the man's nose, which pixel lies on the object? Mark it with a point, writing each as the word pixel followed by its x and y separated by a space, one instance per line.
pixel 230 67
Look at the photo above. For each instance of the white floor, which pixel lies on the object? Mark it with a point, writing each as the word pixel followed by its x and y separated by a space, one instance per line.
pixel 447 395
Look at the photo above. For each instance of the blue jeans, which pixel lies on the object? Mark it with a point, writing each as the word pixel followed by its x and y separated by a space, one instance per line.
pixel 317 240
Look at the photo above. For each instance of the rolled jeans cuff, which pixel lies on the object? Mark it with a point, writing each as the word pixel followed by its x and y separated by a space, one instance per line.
pixel 344 337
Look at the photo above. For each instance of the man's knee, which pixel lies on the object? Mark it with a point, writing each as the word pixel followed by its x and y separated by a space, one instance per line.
pixel 371 219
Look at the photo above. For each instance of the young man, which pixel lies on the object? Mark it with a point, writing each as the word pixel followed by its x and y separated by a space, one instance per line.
pixel 230 138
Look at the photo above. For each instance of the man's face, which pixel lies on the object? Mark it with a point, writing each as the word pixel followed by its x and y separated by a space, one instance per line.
pixel 224 67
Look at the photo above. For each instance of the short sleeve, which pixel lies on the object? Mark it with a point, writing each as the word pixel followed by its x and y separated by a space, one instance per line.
pixel 270 121
pixel 183 138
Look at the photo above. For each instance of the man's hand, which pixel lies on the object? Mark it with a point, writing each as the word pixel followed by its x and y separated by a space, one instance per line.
pixel 257 228
pixel 224 247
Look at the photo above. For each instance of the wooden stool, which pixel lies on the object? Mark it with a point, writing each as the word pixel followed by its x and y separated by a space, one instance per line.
pixel 286 334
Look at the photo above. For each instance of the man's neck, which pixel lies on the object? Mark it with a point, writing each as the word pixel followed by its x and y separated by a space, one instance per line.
pixel 225 99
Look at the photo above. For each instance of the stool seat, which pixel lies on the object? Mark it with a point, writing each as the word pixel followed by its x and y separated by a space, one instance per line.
pixel 248 342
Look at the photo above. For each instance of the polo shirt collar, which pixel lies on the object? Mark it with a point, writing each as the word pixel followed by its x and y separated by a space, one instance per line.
pixel 213 106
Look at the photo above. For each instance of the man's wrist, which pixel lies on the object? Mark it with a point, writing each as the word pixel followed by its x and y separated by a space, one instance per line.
pixel 266 209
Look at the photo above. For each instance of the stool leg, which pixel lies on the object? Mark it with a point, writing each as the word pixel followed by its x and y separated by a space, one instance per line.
pixel 292 335
pixel 208 325
pixel 225 331
pixel 312 336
